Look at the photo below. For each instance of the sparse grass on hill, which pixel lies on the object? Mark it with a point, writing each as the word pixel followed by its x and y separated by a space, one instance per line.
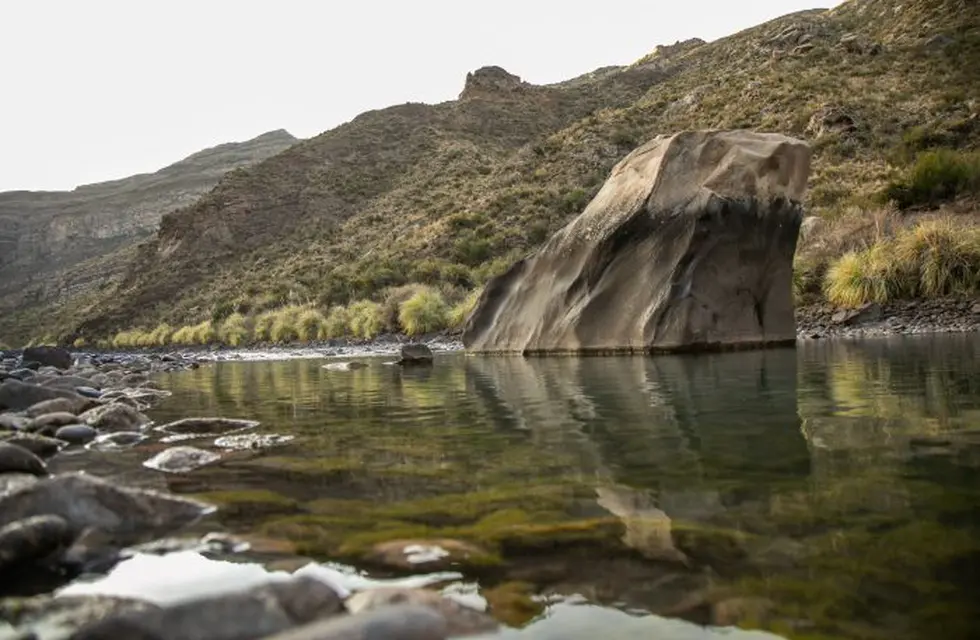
pixel 931 259
pixel 936 177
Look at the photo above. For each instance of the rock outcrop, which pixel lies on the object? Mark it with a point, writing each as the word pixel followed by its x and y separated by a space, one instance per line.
pixel 689 244
pixel 58 244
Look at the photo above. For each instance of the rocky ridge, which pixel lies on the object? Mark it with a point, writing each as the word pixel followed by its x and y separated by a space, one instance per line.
pixel 59 244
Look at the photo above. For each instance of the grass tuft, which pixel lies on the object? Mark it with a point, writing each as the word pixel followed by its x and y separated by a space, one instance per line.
pixel 425 312
pixel 365 320
pixel 931 259
pixel 234 330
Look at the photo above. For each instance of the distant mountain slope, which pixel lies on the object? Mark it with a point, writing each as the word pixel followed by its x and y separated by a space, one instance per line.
pixel 45 235
pixel 448 193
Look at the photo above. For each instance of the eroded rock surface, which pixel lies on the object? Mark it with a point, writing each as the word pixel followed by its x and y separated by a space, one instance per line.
pixel 689 244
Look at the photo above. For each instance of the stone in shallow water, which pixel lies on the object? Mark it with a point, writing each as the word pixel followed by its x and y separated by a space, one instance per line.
pixel 397 622
pixel 252 441
pixel 32 539
pixel 117 440
pixel 415 354
pixel 460 619
pixel 426 554
pixel 16 459
pixel 76 433
pixel 207 425
pixel 254 613
pixel 181 459
pixel 88 392
pixel 130 515
pixel 344 366
pixel 688 245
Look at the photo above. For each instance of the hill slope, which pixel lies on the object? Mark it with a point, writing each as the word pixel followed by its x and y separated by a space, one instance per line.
pixel 56 243
pixel 448 193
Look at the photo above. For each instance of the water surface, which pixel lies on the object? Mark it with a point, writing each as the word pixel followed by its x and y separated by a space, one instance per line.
pixel 825 491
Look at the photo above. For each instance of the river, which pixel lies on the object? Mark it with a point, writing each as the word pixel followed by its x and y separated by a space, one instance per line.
pixel 826 491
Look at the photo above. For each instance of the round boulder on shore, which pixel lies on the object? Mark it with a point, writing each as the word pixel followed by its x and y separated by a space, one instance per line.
pixel 15 459
pixel 31 539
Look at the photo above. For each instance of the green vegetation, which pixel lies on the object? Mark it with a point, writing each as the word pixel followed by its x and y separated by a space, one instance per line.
pixel 933 258
pixel 936 177
pixel 423 310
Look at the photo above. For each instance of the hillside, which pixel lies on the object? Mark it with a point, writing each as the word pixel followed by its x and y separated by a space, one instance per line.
pixel 448 194
pixel 57 244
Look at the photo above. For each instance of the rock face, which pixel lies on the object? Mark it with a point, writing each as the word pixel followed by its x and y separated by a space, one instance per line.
pixel 58 244
pixel 688 245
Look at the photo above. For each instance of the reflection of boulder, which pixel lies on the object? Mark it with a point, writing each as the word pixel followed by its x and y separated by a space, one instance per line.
pixel 689 243
pixel 683 423
pixel 647 527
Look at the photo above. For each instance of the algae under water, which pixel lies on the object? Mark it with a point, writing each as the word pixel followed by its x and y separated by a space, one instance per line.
pixel 826 491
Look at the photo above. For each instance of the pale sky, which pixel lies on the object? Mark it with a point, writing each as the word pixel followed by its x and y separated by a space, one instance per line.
pixel 93 90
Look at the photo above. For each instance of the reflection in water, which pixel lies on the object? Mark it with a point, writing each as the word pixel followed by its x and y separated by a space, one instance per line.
pixel 780 489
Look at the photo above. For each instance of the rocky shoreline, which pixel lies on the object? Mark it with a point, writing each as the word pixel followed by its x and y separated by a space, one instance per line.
pixel 897 318
pixel 813 321
pixel 56 528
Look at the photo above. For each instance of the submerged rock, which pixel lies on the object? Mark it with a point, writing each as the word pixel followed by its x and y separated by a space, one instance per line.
pixel 117 440
pixel 344 366
pixel 428 554
pixel 398 622
pixel 460 619
pixel 181 459
pixel 207 425
pixel 254 613
pixel 83 501
pixel 245 441
pixel 689 244
pixel 16 459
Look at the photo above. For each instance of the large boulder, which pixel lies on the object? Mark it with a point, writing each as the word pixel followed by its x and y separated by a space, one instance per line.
pixel 688 245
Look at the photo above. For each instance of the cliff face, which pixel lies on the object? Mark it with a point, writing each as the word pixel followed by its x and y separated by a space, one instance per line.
pixel 56 244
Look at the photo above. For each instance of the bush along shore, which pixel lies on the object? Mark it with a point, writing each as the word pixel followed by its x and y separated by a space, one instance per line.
pixel 55 527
